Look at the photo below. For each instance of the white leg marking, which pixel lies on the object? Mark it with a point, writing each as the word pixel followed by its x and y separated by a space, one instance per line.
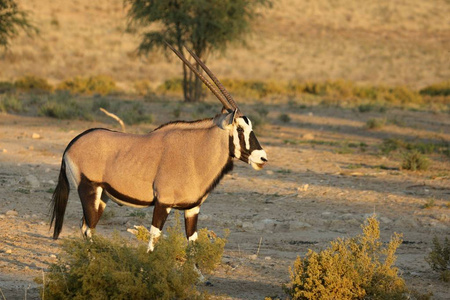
pixel 155 233
pixel 191 212
pixel 193 237
pixel 85 231
pixel 98 195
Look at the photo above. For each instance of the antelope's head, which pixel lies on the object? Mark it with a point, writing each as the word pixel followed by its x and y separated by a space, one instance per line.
pixel 243 143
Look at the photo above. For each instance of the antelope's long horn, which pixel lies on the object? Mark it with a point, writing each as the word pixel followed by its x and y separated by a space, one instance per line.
pixel 202 78
pixel 214 79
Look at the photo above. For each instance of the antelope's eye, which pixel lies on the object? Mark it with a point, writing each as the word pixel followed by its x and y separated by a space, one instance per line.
pixel 240 129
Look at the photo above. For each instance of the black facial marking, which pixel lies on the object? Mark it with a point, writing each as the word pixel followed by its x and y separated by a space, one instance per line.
pixel 254 144
pixel 246 120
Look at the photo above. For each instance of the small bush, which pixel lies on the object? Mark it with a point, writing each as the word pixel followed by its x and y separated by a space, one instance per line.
pixel 63 106
pixel 354 268
pixel 135 115
pixel 100 84
pixel 11 104
pixel 439 258
pixel 375 123
pixel 403 95
pixel 284 118
pixel 415 161
pixel 206 252
pixel 429 204
pixel 33 83
pixel 6 87
pixel 174 85
pixel 438 89
pixel 113 269
pixel 143 87
pixel 389 145
pixel 368 107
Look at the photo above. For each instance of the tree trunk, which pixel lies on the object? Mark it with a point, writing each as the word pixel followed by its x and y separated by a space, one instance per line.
pixel 185 84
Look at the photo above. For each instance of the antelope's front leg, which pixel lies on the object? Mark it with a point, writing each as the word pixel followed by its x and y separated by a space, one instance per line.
pixel 160 214
pixel 190 223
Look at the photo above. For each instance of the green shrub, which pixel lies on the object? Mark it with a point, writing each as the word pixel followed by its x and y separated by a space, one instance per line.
pixel 284 118
pixel 143 87
pixel 375 123
pixel 392 144
pixel 174 85
pixel 135 114
pixel 438 89
pixel 206 252
pixel 403 95
pixel 415 161
pixel 63 106
pixel 371 106
pixel 31 83
pixel 114 269
pixel 100 84
pixel 11 104
pixel 6 87
pixel 353 268
pixel 439 258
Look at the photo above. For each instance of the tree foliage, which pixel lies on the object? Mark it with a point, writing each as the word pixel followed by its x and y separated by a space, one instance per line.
pixel 202 25
pixel 12 19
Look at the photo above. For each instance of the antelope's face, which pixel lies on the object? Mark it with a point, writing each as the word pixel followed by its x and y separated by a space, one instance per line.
pixel 244 144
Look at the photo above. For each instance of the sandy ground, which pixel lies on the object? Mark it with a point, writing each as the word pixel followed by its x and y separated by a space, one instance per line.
pixel 308 195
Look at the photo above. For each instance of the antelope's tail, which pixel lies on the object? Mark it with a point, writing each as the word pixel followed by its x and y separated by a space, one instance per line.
pixel 59 201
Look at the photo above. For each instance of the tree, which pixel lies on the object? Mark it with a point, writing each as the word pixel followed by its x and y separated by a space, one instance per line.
pixel 204 26
pixel 11 20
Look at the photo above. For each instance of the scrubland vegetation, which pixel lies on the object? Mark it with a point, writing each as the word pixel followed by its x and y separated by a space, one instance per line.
pixel 351 268
pixel 306 57
pixel 114 268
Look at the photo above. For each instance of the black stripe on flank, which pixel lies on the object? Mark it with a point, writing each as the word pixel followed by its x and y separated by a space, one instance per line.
pixel 116 194
pixel 122 197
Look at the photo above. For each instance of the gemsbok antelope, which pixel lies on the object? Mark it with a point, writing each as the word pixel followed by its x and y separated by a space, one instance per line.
pixel 175 166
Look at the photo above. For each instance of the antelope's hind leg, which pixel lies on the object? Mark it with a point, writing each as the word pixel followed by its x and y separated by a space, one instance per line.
pixel 93 205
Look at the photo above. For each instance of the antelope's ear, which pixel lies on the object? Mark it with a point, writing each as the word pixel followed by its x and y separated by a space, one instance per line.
pixel 226 120
pixel 225 110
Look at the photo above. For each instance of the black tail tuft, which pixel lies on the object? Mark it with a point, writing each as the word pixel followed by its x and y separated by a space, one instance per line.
pixel 59 201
